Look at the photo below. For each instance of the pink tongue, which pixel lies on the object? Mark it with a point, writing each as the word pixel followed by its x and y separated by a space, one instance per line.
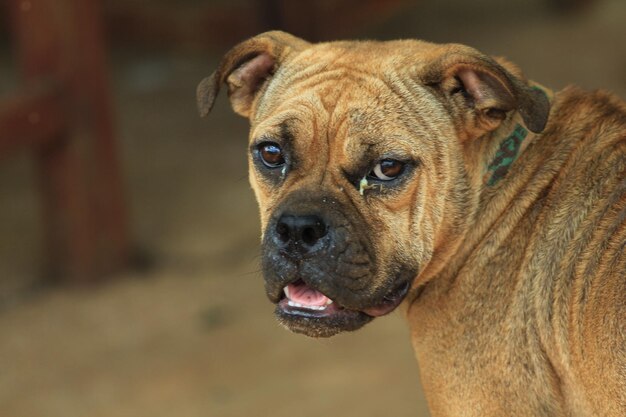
pixel 303 294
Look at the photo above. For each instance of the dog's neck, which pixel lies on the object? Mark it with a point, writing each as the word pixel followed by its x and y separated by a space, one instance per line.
pixel 494 173
pixel 490 165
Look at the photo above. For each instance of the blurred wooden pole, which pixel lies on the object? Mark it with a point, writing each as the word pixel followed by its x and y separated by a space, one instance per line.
pixel 60 43
pixel 31 119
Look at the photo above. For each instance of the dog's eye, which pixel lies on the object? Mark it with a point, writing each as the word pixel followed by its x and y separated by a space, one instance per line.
pixel 271 154
pixel 387 170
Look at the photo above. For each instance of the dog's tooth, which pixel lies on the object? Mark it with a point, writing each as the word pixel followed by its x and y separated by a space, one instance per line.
pixel 286 290
pixel 293 304
pixel 308 307
pixel 329 302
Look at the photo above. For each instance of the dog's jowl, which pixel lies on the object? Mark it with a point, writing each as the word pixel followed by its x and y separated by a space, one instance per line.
pixel 439 178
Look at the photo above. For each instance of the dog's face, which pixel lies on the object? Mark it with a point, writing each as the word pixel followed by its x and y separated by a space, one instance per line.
pixel 357 161
pixel 335 170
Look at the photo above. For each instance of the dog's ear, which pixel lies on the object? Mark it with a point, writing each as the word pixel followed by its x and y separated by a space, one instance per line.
pixel 481 92
pixel 245 69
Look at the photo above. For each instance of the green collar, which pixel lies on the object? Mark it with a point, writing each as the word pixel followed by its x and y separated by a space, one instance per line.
pixel 510 148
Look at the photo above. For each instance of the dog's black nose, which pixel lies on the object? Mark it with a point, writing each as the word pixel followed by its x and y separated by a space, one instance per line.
pixel 300 233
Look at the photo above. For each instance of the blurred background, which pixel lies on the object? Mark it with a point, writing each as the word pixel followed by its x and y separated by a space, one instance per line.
pixel 129 276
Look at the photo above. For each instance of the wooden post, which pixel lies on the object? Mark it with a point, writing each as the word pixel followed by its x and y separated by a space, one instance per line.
pixel 60 42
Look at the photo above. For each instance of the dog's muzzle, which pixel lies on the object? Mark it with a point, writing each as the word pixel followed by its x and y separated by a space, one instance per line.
pixel 322 273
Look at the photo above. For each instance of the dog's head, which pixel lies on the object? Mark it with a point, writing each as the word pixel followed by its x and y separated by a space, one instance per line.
pixel 359 164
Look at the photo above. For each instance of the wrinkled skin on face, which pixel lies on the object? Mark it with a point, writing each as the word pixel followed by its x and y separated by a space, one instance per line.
pixel 331 114
pixel 335 122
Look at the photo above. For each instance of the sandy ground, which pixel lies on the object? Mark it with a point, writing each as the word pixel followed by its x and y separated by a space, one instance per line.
pixel 194 335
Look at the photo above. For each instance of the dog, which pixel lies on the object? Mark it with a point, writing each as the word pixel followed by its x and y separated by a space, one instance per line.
pixel 441 178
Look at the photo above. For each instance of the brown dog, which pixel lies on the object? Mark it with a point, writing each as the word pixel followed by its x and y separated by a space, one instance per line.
pixel 390 171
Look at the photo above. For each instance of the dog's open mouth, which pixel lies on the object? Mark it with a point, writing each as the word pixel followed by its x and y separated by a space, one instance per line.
pixel 303 309
pixel 301 300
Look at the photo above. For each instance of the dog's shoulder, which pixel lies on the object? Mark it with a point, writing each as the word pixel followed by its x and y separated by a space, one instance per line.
pixel 577 109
